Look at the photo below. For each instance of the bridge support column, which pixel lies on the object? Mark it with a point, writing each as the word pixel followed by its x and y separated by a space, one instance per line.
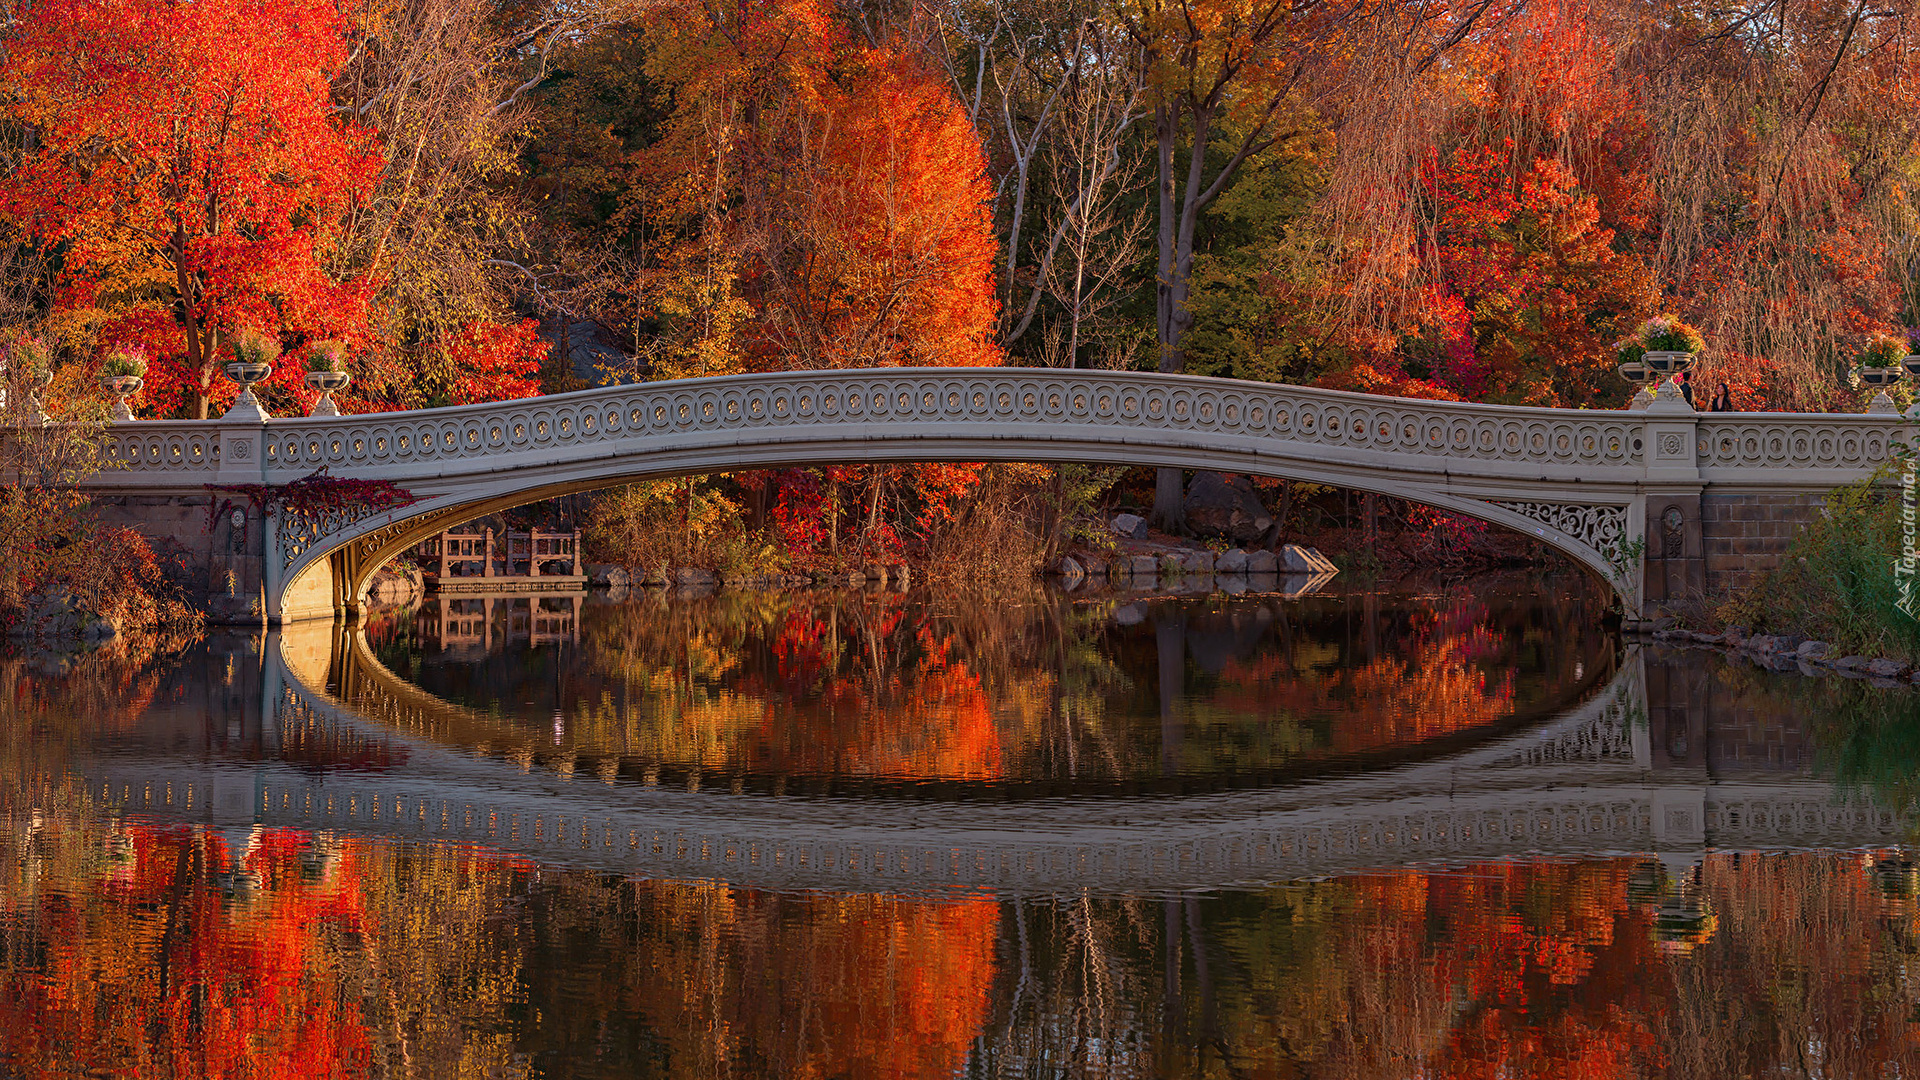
pixel 1674 569
pixel 308 596
pixel 346 571
pixel 1671 568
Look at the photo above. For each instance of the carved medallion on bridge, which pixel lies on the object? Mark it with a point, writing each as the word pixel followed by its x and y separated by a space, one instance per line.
pixel 1602 528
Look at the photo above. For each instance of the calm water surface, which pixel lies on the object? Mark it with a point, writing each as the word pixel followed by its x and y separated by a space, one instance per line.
pixel 1454 830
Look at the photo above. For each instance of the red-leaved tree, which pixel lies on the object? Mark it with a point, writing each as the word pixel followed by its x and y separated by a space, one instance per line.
pixel 185 157
pixel 491 362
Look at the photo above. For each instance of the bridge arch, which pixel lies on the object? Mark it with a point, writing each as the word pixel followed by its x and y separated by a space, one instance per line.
pixel 341 565
pixel 1569 480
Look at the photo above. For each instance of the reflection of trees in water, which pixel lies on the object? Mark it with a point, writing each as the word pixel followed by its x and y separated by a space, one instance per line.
pixel 53 707
pixel 1524 970
pixel 735 983
pixel 847 683
pixel 156 954
pixel 1811 971
pixel 1866 738
pixel 135 950
pixel 1034 686
pixel 1369 671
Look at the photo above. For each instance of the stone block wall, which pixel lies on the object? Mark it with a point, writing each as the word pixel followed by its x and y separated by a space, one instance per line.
pixel 219 560
pixel 1746 535
pixel 1709 545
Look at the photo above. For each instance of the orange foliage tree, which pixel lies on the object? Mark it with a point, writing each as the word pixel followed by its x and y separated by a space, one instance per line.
pixel 1533 204
pixel 186 159
pixel 819 201
pixel 491 362
pixel 824 199
pixel 1535 296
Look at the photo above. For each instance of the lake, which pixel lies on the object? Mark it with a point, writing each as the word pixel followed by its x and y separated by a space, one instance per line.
pixel 1436 828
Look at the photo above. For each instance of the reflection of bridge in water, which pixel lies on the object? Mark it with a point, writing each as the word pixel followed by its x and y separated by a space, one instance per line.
pixel 469 619
pixel 1655 761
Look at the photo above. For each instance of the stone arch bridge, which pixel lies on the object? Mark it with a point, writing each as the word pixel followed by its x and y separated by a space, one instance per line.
pixel 1657 503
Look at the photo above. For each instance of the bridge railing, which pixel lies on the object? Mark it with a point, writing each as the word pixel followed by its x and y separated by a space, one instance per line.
pixel 1591 446
pixel 161 448
pixel 1728 445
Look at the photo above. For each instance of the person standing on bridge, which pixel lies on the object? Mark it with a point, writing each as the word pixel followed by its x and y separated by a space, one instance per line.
pixel 1686 386
pixel 1722 400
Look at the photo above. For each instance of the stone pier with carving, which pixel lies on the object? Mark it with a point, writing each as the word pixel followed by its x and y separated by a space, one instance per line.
pixel 1660 504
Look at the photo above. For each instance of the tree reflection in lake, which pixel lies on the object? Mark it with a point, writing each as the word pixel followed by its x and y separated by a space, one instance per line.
pixel 1028 689
pixel 140 951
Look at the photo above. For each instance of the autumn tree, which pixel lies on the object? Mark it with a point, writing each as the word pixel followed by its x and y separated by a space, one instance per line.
pixel 1532 295
pixel 1232 79
pixel 450 228
pixel 821 201
pixel 1783 138
pixel 1094 170
pixel 790 196
pixel 1054 90
pixel 187 159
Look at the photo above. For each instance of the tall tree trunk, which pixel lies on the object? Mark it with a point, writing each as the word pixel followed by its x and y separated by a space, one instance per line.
pixel 833 520
pixel 1169 488
pixel 200 343
pixel 1279 531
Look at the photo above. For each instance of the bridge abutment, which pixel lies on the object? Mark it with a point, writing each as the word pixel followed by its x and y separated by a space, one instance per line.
pixel 1706 545
pixel 1748 534
pixel 219 552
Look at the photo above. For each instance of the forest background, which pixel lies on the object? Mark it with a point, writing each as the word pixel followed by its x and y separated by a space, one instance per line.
pixel 485 199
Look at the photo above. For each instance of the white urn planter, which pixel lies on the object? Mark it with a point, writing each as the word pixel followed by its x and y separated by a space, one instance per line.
pixel 327 382
pixel 121 387
pixel 1880 378
pixel 246 406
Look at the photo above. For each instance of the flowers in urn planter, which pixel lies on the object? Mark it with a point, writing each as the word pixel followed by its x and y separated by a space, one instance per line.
pixel 1881 351
pixel 327 372
pixel 254 347
pixel 326 357
pixel 120 375
pixel 1663 333
pixel 28 363
pixel 130 363
pixel 1879 364
pixel 253 357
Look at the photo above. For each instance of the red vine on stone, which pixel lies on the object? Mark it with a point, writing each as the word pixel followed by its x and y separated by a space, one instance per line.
pixel 316 493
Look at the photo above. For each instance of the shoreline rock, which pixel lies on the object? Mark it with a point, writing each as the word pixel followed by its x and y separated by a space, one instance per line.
pixel 1790 652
